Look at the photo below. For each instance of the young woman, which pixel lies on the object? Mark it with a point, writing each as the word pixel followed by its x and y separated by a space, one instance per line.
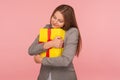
pixel 59 68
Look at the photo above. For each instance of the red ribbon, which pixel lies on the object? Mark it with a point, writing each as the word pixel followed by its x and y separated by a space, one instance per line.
pixel 48 51
pixel 49 34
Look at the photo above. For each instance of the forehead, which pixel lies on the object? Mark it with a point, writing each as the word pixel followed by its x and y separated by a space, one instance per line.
pixel 58 15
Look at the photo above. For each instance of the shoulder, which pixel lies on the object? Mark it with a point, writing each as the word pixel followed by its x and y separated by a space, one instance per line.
pixel 72 35
pixel 72 31
pixel 47 26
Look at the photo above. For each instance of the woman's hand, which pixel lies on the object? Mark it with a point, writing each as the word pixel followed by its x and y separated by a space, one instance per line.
pixel 37 58
pixel 57 42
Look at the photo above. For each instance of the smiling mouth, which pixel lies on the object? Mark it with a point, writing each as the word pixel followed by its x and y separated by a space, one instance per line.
pixel 55 25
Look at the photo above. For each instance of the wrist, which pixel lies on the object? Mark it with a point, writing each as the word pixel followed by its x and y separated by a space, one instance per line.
pixel 48 45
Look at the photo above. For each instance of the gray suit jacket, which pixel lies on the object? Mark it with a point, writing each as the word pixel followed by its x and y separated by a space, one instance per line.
pixel 61 68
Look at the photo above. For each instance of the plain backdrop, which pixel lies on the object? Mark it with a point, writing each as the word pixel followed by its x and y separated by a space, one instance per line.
pixel 99 24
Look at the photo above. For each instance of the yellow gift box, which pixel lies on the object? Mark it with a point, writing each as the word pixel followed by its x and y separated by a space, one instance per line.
pixel 48 35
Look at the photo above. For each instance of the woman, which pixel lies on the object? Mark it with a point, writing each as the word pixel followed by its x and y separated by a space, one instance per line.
pixel 59 68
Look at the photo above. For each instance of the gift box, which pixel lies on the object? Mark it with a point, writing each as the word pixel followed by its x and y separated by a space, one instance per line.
pixel 48 35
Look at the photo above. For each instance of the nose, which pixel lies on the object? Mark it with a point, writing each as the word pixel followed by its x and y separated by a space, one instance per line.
pixel 55 21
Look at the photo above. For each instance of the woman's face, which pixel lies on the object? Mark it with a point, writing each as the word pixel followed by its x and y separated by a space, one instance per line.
pixel 57 20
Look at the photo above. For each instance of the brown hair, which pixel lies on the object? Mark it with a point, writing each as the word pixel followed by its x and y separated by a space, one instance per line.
pixel 70 21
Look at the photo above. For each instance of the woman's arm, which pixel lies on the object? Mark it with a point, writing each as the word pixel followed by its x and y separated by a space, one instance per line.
pixel 36 47
pixel 70 47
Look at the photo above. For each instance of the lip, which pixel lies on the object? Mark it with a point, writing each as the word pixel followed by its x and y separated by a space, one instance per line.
pixel 55 25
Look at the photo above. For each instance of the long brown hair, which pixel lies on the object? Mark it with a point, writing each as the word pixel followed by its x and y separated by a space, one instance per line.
pixel 70 21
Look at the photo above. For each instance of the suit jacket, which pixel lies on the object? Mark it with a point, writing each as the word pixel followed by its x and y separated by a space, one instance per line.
pixel 61 68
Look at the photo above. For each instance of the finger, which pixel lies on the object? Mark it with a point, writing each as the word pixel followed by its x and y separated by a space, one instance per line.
pixel 36 59
pixel 61 41
pixel 58 37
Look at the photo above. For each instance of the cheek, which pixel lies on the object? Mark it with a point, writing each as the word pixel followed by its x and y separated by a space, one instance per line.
pixel 61 24
pixel 51 20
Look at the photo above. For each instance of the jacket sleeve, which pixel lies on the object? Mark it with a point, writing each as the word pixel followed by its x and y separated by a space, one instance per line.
pixel 36 47
pixel 70 46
